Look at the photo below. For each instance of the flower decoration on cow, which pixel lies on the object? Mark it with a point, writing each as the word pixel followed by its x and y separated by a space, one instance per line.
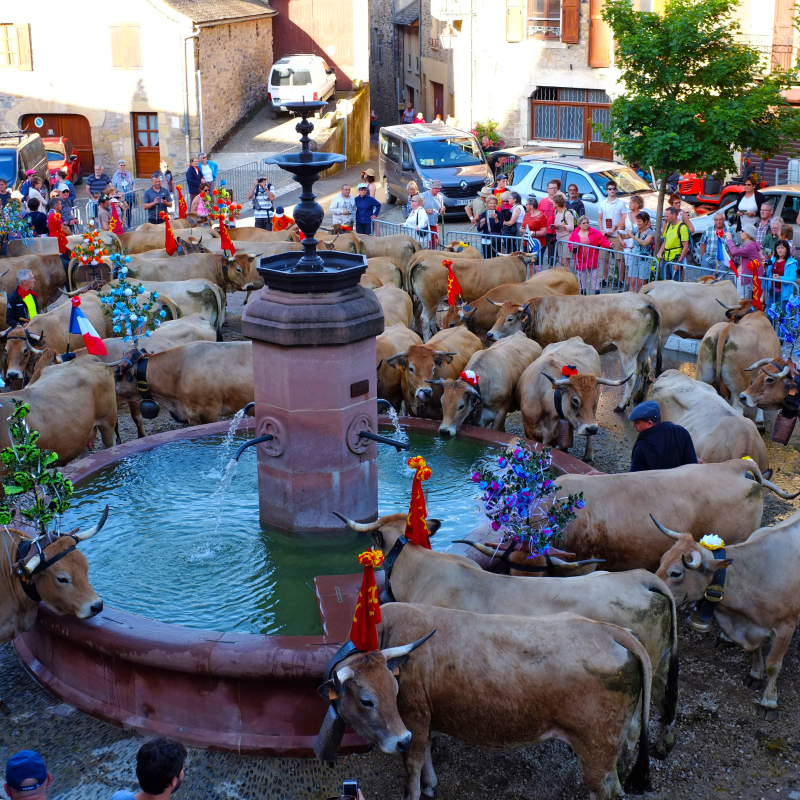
pixel 517 495
pixel 135 313
pixel 33 488
pixel 92 249
pixel 12 223
pixel 788 320
pixel 220 205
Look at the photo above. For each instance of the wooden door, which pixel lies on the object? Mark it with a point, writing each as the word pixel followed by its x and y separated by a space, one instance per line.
pixel 438 99
pixel 74 127
pixel 783 36
pixel 145 140
pixel 599 36
pixel 594 146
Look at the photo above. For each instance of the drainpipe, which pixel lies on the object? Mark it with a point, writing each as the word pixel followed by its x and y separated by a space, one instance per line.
pixel 419 54
pixel 186 95
pixel 200 111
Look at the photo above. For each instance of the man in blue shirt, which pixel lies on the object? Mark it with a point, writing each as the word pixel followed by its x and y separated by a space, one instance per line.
pixel 367 209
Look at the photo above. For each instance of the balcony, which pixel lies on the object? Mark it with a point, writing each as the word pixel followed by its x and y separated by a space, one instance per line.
pixel 449 10
pixel 776 51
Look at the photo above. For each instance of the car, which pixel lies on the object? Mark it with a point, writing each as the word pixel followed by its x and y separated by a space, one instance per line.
pixel 427 152
pixel 60 155
pixel 296 78
pixel 512 161
pixel 21 152
pixel 590 175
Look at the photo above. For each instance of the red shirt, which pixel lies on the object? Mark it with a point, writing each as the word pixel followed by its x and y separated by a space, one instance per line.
pixel 536 223
pixel 549 210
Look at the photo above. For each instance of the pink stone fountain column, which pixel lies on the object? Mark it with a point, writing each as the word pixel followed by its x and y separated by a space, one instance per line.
pixel 314 361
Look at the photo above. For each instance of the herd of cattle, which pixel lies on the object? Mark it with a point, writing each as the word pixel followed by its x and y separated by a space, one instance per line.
pixel 586 675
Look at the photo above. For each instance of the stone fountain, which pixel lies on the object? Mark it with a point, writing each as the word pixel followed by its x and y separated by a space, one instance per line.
pixel 313 329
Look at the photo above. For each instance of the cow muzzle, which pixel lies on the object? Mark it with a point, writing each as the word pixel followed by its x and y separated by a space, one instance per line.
pixel 494 336
pixel 397 744
pixel 744 398
pixel 14 375
pixel 447 430
pixel 424 394
pixel 91 609
pixel 588 430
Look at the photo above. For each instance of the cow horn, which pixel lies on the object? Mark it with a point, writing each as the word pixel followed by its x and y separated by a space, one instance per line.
pixel 782 374
pixel 725 305
pixel 35 337
pixel 344 674
pixel 666 531
pixel 693 560
pixel 481 548
pixel 435 382
pixel 5 333
pixel 559 382
pixel 363 527
pixel 114 364
pixel 760 363
pixel 609 382
pixel 82 536
pixel 396 356
pixel 444 353
pixel 570 565
pixel 3 274
pixel 489 299
pixel 406 649
pixel 32 564
pixel 778 491
pixel 70 294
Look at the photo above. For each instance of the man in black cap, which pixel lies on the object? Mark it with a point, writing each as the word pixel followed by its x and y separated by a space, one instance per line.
pixel 26 776
pixel 660 445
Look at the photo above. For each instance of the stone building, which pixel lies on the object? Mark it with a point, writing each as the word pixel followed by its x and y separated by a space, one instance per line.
pixel 152 79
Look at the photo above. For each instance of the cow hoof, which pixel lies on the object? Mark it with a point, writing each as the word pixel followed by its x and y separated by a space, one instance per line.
pixel 4 708
pixel 760 427
pixel 751 682
pixel 619 409
pixel 768 714
pixel 724 644
pixel 656 751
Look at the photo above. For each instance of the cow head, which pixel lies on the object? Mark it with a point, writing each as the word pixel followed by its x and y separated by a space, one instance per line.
pixel 63 583
pixel 775 378
pixel 459 400
pixel 239 271
pixel 363 691
pixel 191 245
pixel 461 314
pixel 687 567
pixel 578 396
pixel 21 351
pixel 511 318
pixel 388 529
pixel 737 313
pixel 422 365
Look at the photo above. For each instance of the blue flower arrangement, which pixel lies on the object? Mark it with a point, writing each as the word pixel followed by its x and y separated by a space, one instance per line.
pixel 788 319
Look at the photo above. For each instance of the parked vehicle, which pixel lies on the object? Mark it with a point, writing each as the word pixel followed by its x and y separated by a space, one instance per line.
pixel 513 161
pixel 20 152
pixel 427 152
pixel 709 193
pixel 60 155
pixel 298 77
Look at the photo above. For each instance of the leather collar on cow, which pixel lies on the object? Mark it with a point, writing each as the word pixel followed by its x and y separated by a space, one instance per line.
pixel 26 549
pixel 713 594
pixel 136 369
pixel 557 402
pixel 388 563
pixel 331 732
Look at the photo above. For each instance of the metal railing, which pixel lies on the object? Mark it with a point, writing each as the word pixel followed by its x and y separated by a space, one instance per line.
pixel 602 270
pixel 132 218
pixel 381 227
pixel 489 244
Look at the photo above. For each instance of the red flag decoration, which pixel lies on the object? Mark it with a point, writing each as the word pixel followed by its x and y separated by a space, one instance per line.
pixel 568 370
pixel 169 237
pixel 364 631
pixel 416 526
pixel 182 207
pixel 115 223
pixel 54 224
pixel 758 294
pixel 453 286
pixel 470 377
pixel 225 239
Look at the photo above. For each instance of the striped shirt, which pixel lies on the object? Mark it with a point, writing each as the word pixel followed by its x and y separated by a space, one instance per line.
pixel 97 185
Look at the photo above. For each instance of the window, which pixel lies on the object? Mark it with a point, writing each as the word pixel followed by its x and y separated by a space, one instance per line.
pixel 126 50
pixel 560 114
pixel 281 76
pixel 390 148
pixel 15 46
pixel 544 19
pixel 518 173
pixel 147 130
pixel 628 182
pixel 301 77
pixel 377 47
pixel 546 175
pixel 55 156
pixel 581 181
pixel 8 163
pixel 461 152
pixel 406 152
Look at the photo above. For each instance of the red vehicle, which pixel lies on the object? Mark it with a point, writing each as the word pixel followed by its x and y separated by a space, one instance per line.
pixel 60 155
pixel 708 193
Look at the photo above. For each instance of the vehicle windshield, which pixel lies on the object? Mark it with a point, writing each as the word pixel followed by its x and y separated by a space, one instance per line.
pixel 281 76
pixel 457 152
pixel 8 161
pixel 301 78
pixel 628 182
pixel 54 155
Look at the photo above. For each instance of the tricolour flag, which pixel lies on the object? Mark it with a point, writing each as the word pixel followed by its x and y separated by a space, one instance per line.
pixel 723 257
pixel 79 325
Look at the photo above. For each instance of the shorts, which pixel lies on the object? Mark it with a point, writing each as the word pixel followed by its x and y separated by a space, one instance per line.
pixel 265 223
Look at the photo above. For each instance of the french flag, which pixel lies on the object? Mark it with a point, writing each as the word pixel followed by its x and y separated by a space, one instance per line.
pixel 80 326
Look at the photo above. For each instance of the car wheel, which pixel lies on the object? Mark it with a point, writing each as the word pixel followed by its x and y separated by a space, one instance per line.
pixel 273 115
pixel 390 198
pixel 695 250
pixel 78 179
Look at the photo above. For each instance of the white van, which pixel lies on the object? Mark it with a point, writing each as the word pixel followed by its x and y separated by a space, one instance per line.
pixel 298 77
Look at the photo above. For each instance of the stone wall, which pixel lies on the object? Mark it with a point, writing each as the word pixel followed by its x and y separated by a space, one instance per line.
pixel 332 140
pixel 383 91
pixel 235 61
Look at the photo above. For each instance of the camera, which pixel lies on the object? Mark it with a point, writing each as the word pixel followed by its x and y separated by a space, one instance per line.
pixel 350 788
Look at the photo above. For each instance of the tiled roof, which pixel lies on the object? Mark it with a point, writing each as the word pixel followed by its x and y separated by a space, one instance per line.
pixel 219 10
pixel 407 16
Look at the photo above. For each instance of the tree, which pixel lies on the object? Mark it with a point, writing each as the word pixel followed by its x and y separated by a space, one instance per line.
pixel 694 95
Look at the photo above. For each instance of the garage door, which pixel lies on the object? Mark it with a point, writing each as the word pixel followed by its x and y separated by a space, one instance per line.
pixel 73 126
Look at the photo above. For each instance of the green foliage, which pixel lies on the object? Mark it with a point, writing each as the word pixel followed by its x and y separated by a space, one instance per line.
pixel 694 95
pixel 31 483
pixel 489 130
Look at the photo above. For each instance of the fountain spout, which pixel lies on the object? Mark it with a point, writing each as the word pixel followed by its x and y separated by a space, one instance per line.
pixel 258 440
pixel 384 440
pixel 248 410
pixel 385 402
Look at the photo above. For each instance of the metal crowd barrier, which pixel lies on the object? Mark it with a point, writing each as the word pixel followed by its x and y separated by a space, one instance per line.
pixel 382 228
pixel 132 218
pixel 489 244
pixel 602 270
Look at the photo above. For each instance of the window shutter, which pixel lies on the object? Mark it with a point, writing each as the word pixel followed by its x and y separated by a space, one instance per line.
pixel 117 47
pixel 515 27
pixel 23 31
pixel 133 48
pixel 570 21
pixel 599 36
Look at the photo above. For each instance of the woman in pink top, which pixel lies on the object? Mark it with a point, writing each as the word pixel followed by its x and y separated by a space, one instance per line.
pixel 586 258
pixel 198 206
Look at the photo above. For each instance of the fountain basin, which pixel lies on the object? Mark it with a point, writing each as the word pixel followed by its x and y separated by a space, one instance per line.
pixel 231 691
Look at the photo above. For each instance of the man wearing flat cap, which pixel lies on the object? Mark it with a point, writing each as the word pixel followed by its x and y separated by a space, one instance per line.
pixel 660 445
pixel 26 776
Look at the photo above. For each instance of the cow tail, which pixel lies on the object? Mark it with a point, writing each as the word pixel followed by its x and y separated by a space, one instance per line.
pixel 653 340
pixel 415 300
pixel 719 384
pixel 671 693
pixel 221 303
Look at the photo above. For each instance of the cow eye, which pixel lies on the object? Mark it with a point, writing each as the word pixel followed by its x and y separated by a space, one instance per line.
pixel 460 406
pixel 24 351
pixel 367 703
pixel 509 319
pixel 675 573
pixel 411 369
pixel 62 579
pixel 770 380
pixel 576 402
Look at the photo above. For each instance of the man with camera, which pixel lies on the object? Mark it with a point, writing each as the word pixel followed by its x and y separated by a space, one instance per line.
pixel 263 195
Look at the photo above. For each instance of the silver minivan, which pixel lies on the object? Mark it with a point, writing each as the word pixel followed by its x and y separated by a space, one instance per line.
pixel 427 152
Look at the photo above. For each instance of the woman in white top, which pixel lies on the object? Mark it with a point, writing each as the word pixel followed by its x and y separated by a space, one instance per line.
pixel 36 191
pixel 418 221
pixel 748 204
pixel 628 227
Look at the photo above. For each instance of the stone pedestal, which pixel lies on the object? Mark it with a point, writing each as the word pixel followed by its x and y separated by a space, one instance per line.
pixel 314 361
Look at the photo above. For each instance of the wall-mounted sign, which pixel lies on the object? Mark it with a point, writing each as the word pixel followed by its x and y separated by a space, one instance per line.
pixel 38 122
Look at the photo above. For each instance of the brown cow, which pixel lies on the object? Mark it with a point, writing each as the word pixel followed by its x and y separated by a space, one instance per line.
pixel 422 254
pixel 388 272
pixel 179 224
pixel 396 305
pixel 497 371
pixel 627 321
pixel 369 281
pixel 444 356
pixel 260 235
pixel 237 271
pixel 459 684
pixel 427 280
pixel 343 242
pixel 480 315
pixel 760 597
pixel 544 383
pixel 69 403
pixel 774 380
pixel 729 348
pixel 141 241
pixel 395 339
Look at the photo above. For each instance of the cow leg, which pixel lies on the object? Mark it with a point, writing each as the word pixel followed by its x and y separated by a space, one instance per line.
pixel 429 779
pixel 630 366
pixel 600 777
pixel 414 760
pixel 107 433
pixel 767 708
pixel 137 418
pixel 428 323
pixel 588 452
pixel 760 420
pixel 756 675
